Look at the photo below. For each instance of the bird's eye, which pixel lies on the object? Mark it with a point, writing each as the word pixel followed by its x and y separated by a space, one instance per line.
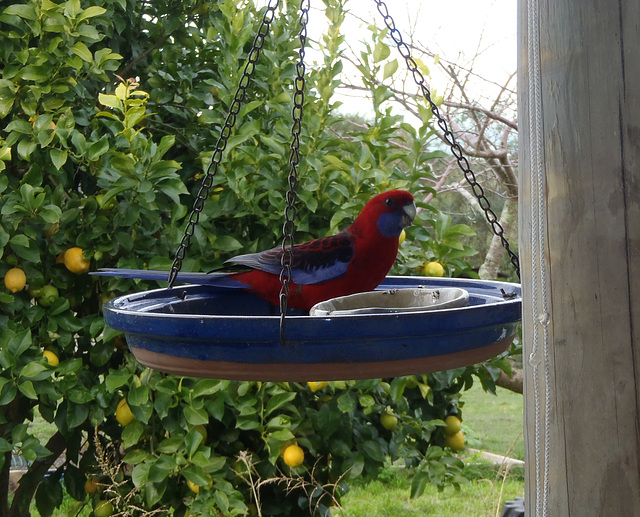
pixel 389 202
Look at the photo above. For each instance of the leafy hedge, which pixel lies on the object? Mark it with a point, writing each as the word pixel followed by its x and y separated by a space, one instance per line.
pixel 95 160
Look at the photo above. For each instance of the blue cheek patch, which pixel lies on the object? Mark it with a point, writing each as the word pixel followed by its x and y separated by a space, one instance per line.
pixel 389 224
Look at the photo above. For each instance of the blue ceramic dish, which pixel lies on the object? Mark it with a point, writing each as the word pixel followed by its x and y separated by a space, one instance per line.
pixel 203 331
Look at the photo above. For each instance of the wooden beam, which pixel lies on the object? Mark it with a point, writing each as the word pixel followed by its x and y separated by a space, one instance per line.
pixel 590 105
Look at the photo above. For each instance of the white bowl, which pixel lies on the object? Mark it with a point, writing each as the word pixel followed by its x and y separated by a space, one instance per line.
pixel 394 300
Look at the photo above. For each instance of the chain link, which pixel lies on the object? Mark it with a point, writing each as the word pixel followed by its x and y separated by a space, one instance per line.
pixel 289 227
pixel 221 145
pixel 449 137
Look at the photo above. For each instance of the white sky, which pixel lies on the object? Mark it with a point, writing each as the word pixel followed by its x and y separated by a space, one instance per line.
pixel 453 29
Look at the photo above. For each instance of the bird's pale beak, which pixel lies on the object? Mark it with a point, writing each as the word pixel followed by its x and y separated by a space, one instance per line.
pixel 409 214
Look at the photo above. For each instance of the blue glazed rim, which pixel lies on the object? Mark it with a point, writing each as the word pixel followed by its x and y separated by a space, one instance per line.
pixel 182 330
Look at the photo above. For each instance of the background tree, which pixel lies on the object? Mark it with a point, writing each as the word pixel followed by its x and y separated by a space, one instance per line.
pixel 109 115
pixel 481 113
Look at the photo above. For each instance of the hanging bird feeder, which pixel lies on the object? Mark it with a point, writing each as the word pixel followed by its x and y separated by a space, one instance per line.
pixel 409 325
pixel 204 331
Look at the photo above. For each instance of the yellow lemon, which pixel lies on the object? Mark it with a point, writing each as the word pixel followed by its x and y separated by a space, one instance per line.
pixel 453 424
pixel 51 358
pixel 455 441
pixel 193 487
pixel 123 413
pixel 293 455
pixel 203 431
pixel 15 279
pixel 74 262
pixel 91 485
pixel 433 269
pixel 216 197
pixel 389 421
pixel 51 230
pixel 47 295
pixel 103 509
pixel 317 386
pixel 403 236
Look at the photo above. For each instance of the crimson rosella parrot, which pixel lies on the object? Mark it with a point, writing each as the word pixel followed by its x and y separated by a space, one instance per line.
pixel 355 260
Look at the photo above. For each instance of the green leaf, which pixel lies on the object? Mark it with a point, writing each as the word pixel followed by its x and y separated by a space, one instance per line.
pixel 48 495
pixel 27 253
pixel 91 12
pixel 248 423
pixel 117 379
pixel 227 243
pixel 25 148
pixel 390 69
pixel 82 51
pixel 76 414
pixel 36 73
pixel 23 11
pixel 140 474
pixel 419 484
pixel 74 480
pixel 79 141
pixel 136 456
pixel 215 407
pixel 132 434
pixel 19 343
pixel 398 385
pixel 249 107
pixel 36 371
pixel 79 395
pixel 279 400
pixel 27 389
pixel 58 157
pixel 192 441
pixel 196 475
pixel 19 126
pixel 195 416
pixel 68 321
pixel 8 393
pixel 171 445
pixel 161 468
pixel 109 100
pixel 138 396
pixel 346 403
pixel 207 387
pixel 381 52
pixel 97 149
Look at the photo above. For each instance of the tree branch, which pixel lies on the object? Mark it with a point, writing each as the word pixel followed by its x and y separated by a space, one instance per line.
pixel 57 444
pixel 513 383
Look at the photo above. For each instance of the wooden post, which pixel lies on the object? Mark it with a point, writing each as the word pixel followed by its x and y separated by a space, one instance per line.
pixel 589 56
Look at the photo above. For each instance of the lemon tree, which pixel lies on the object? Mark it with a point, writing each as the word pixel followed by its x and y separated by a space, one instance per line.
pixel 99 170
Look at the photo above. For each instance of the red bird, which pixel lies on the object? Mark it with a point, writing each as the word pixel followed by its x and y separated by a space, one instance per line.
pixel 355 260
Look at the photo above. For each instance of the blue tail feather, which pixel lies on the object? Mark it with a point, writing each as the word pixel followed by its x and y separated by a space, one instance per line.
pixel 213 279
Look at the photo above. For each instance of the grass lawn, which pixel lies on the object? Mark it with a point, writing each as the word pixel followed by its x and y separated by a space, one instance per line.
pixel 494 423
pixel 390 498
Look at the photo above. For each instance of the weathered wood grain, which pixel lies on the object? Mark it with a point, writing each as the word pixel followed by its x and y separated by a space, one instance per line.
pixel 590 70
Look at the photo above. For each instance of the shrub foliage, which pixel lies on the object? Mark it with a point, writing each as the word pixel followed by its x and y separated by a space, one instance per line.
pixel 109 117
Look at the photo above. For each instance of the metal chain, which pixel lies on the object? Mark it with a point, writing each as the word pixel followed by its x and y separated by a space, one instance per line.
pixel 221 145
pixel 449 137
pixel 289 227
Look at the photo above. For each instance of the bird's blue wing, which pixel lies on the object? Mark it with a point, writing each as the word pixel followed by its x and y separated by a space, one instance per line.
pixel 313 262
